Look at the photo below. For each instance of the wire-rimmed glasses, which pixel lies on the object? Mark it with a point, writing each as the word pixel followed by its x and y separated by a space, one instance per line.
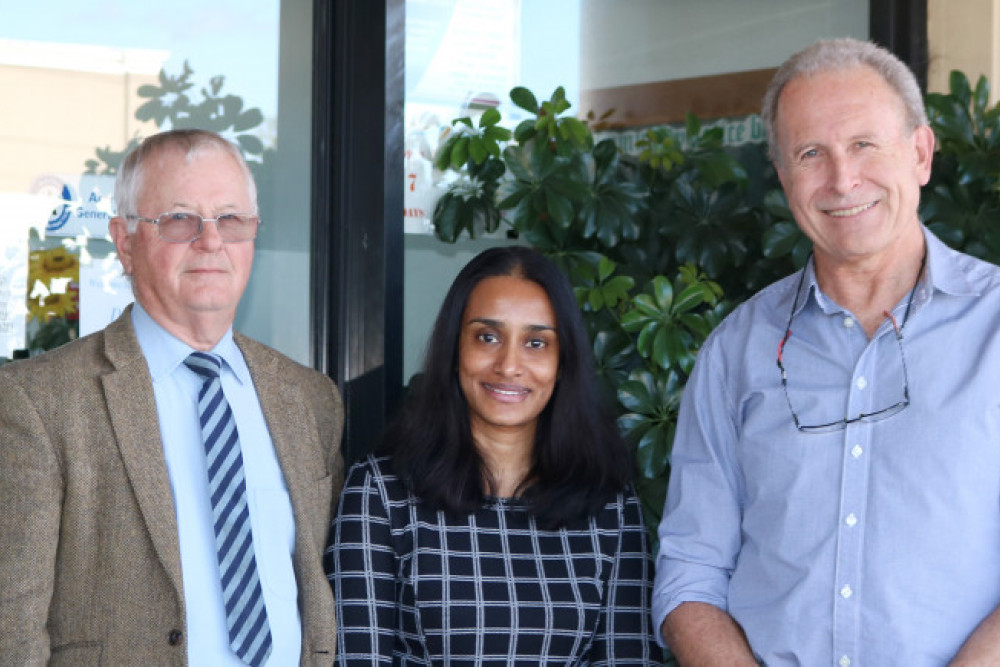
pixel 863 417
pixel 181 227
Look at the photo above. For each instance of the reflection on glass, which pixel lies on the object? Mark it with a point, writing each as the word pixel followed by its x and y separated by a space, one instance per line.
pixel 462 58
pixel 85 87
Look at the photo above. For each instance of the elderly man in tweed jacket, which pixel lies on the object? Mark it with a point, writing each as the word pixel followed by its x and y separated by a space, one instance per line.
pixel 107 544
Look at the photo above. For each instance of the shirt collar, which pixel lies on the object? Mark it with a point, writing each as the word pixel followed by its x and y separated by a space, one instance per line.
pixel 164 352
pixel 948 271
pixel 952 272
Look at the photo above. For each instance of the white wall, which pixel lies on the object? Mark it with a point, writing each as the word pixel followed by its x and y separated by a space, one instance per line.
pixel 963 35
pixel 626 42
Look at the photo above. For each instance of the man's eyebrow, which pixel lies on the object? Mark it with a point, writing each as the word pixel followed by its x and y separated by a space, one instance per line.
pixel 184 204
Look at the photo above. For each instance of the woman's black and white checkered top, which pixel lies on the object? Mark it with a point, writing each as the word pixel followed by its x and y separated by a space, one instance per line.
pixel 418 587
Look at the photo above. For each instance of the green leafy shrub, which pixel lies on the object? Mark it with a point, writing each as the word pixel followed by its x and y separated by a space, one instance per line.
pixel 961 203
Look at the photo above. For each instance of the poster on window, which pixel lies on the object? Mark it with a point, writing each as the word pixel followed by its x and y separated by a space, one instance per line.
pixel 82 204
pixel 19 213
pixel 74 276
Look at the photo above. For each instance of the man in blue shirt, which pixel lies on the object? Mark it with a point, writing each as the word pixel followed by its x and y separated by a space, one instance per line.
pixel 167 484
pixel 835 489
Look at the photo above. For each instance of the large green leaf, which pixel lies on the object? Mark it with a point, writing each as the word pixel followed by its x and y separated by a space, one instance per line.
pixel 690 297
pixel 781 238
pixel 636 396
pixel 460 152
pixel 958 84
pixel 653 450
pixel 518 161
pixel 524 98
pixel 511 193
pixel 477 150
pixel 490 117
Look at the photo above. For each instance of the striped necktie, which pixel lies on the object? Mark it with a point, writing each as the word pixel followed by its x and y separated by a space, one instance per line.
pixel 246 616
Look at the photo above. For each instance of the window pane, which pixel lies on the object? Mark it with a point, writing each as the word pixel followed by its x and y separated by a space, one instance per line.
pixel 81 86
pixel 463 56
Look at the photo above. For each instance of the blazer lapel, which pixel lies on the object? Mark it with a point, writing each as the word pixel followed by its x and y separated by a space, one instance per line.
pixel 287 421
pixel 294 432
pixel 128 391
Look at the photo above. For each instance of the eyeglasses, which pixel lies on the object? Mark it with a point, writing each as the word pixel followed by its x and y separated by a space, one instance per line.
pixel 186 227
pixel 864 417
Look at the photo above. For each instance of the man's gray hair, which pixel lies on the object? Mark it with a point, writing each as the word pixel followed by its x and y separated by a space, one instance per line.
pixel 190 142
pixel 837 54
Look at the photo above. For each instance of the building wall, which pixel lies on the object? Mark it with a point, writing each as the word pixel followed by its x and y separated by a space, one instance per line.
pixel 67 101
pixel 643 41
pixel 963 35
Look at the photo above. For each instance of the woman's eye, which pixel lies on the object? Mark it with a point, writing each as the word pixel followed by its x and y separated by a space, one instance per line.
pixel 537 343
pixel 488 337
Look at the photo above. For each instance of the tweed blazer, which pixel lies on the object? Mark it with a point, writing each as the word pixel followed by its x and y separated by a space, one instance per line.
pixel 90 569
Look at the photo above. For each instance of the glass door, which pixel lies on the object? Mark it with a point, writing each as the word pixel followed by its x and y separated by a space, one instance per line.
pixel 82 86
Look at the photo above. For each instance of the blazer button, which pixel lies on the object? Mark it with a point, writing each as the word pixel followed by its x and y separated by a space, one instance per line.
pixel 175 637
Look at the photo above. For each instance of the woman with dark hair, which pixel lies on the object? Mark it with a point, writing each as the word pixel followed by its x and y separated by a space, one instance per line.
pixel 497 524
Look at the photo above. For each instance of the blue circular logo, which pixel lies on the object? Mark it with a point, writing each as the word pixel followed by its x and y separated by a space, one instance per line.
pixel 60 214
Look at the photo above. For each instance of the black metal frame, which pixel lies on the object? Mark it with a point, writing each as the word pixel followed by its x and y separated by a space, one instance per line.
pixel 357 245
pixel 901 27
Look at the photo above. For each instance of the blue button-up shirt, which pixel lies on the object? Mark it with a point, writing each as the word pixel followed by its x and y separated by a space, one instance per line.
pixel 176 388
pixel 874 545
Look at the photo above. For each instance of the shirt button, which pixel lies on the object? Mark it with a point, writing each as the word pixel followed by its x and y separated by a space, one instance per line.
pixel 862 382
pixel 857 451
pixel 846 592
pixel 844 661
pixel 851 520
pixel 848 322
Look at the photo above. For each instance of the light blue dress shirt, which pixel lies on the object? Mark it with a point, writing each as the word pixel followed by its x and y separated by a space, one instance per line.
pixel 870 546
pixel 176 390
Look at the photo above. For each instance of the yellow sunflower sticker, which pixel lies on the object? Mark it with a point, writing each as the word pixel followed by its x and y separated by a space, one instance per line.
pixel 54 279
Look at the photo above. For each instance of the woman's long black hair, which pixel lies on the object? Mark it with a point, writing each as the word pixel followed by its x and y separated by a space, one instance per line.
pixel 580 460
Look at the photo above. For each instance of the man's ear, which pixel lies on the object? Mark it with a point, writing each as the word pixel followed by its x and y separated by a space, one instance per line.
pixel 118 227
pixel 780 172
pixel 923 138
